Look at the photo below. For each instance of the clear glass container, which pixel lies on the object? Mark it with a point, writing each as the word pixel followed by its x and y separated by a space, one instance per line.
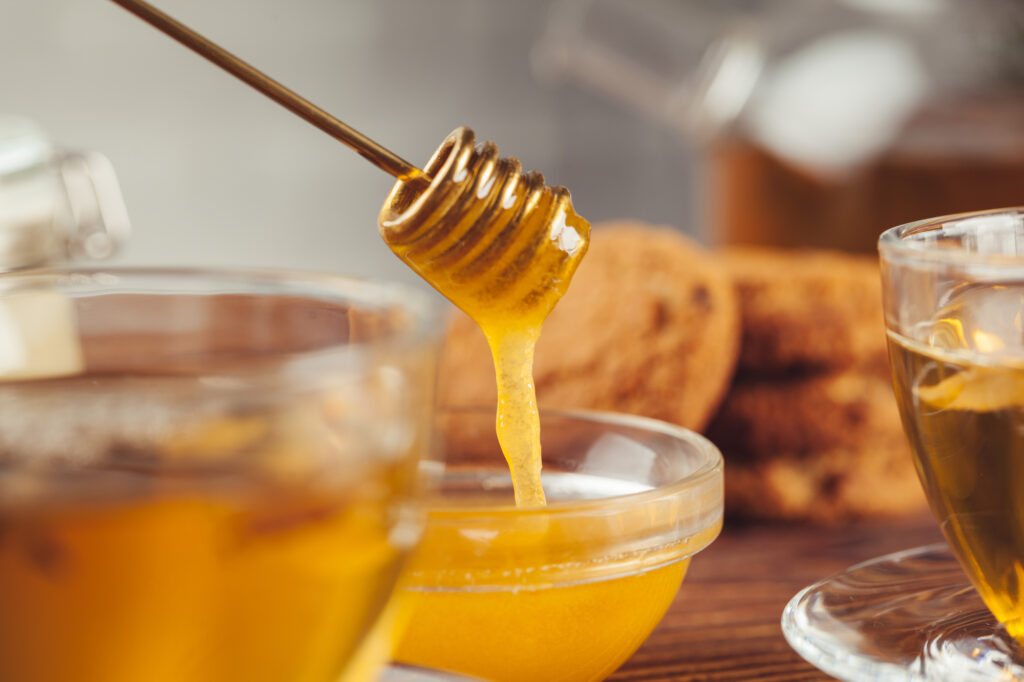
pixel 206 475
pixel 953 291
pixel 568 591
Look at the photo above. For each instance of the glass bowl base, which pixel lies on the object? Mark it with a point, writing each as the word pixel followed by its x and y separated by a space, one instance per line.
pixel 910 616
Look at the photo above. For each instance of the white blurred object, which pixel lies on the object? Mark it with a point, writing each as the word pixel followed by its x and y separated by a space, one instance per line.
pixel 54 205
pixel 839 101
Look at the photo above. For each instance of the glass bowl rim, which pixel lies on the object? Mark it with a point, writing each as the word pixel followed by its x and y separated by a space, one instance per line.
pixel 705 476
pixel 426 320
pixel 898 242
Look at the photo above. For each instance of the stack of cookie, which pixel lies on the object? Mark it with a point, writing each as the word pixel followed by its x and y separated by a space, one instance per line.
pixel 809 427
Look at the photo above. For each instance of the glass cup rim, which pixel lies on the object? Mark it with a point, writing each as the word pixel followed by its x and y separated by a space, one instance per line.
pixel 703 476
pixel 899 243
pixel 425 316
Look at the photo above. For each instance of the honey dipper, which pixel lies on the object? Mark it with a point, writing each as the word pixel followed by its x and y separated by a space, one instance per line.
pixel 462 188
pixel 495 241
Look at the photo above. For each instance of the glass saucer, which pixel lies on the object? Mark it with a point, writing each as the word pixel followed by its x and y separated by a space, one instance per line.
pixel 908 616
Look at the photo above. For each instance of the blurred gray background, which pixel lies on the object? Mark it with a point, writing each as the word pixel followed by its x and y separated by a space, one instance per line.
pixel 215 174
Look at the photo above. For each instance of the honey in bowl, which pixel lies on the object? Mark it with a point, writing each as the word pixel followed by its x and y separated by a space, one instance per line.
pixel 570 590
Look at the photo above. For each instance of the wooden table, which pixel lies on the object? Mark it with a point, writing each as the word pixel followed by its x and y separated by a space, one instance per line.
pixel 724 624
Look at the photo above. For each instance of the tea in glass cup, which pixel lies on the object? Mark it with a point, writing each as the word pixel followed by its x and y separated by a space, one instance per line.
pixel 954 310
pixel 204 476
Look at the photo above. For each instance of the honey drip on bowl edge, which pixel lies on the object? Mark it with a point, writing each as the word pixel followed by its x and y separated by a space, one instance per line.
pixel 503 247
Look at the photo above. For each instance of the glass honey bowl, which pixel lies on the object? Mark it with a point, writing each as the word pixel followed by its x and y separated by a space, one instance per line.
pixel 570 590
pixel 205 475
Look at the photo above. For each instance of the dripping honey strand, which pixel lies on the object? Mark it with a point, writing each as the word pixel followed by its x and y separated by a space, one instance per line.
pixel 503 247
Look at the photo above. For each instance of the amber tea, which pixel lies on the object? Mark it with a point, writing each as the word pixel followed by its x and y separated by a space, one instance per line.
pixel 960 390
pixel 154 556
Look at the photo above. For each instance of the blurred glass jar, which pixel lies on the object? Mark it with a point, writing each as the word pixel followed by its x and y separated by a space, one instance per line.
pixel 820 122
pixel 55 205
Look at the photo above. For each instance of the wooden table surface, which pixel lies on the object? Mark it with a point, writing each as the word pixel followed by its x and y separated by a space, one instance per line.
pixel 724 624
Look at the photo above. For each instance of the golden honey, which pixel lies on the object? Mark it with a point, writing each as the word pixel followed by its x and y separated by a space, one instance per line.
pixel 576 632
pixel 503 247
pixel 567 591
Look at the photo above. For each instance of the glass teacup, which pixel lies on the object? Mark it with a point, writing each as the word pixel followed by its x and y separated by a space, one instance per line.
pixel 204 475
pixel 954 310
